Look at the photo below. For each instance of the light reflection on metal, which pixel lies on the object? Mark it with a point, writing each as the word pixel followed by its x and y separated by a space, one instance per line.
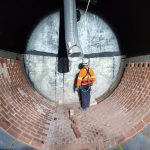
pixel 74 49
pixel 94 2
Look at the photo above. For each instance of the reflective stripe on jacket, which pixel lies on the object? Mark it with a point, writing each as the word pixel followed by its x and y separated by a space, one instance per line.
pixel 85 78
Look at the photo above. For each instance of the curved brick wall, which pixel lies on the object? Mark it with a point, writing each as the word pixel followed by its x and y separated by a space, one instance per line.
pixel 31 119
pixel 126 111
pixel 24 113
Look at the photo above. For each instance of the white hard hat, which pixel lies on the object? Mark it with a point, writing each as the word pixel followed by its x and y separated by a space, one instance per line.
pixel 85 61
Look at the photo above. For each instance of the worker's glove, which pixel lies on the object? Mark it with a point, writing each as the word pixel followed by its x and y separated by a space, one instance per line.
pixel 77 89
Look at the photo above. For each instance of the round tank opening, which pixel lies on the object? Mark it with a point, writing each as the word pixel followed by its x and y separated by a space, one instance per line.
pixel 99 44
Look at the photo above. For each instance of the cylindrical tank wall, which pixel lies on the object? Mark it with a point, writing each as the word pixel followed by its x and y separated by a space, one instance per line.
pixel 32 119
pixel 99 45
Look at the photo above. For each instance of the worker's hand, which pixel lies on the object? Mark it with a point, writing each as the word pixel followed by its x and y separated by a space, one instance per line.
pixel 90 88
pixel 77 89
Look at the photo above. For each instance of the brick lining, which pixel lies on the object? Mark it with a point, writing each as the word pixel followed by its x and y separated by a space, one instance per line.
pixel 19 105
pixel 26 115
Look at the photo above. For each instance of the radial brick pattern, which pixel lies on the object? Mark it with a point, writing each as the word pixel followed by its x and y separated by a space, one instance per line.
pixel 32 119
pixel 23 112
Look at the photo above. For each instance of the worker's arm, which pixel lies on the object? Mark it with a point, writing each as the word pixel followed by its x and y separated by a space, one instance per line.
pixel 80 76
pixel 93 76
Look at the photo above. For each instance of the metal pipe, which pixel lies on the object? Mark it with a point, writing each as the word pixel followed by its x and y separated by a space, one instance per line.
pixel 74 49
pixel 94 2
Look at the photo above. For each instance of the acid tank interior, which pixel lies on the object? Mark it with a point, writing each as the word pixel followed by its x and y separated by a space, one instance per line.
pixel 37 80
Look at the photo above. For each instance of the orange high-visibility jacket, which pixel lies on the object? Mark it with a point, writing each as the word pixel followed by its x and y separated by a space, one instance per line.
pixel 84 78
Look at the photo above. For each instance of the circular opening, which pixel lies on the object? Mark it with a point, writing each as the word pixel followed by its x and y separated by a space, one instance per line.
pixel 99 45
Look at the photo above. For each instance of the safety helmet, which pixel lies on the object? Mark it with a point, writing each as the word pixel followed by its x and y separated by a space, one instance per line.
pixel 85 61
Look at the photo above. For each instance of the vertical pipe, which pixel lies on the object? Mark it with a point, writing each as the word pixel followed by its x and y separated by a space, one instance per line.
pixel 74 49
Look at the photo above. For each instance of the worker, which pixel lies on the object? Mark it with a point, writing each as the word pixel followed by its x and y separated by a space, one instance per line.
pixel 85 80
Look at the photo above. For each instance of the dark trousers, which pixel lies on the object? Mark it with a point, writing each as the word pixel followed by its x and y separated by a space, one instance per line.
pixel 85 96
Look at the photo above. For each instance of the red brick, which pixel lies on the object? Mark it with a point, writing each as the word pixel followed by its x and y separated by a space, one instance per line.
pixel 132 93
pixel 14 123
pixel 24 128
pixel 76 130
pixel 10 109
pixel 35 134
pixel 3 102
pixel 14 131
pixel 5 124
pixel 147 119
pixel 119 139
pixel 32 129
pixel 27 135
pixel 25 139
pixel 139 126
pixel 4 114
pixel 41 133
pixel 12 116
pixel 129 133
pixel 37 142
pixel 19 117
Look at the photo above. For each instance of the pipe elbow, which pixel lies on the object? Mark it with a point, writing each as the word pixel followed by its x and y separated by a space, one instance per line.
pixel 75 53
